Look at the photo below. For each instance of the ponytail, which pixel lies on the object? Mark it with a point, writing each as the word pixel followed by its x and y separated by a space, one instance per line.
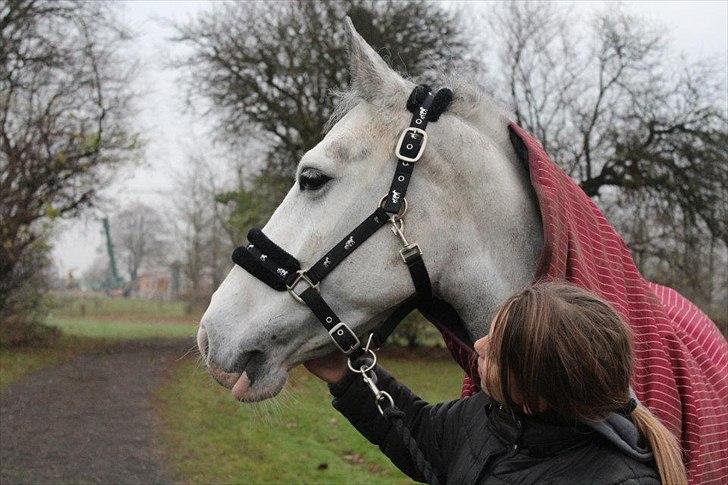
pixel 665 446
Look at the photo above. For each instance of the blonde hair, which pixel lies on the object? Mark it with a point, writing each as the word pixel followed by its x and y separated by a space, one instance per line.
pixel 536 348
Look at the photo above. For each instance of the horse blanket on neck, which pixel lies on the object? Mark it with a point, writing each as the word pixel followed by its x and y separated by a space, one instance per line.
pixel 681 365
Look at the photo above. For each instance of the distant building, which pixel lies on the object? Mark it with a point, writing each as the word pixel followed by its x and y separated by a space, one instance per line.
pixel 167 283
pixel 154 285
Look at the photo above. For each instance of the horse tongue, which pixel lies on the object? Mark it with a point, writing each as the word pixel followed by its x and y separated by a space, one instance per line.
pixel 241 387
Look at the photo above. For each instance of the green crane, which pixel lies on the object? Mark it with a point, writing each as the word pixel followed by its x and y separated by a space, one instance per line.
pixel 113 279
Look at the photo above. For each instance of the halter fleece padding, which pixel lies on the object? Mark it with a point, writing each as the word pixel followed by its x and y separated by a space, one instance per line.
pixel 442 100
pixel 280 255
pixel 417 97
pixel 249 262
pixel 249 258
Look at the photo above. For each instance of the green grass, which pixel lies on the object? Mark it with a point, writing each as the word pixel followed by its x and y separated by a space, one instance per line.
pixel 296 438
pixel 126 308
pixel 15 363
pixel 121 330
pixel 121 318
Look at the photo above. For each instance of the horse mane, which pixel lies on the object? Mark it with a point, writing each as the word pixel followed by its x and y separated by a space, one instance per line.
pixel 471 96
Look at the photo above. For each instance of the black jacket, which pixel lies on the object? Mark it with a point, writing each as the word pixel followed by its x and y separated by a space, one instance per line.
pixel 474 440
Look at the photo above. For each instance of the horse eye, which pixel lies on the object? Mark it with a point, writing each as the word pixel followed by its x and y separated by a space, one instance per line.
pixel 312 179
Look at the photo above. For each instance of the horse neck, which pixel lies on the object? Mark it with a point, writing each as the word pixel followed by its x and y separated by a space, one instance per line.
pixel 497 232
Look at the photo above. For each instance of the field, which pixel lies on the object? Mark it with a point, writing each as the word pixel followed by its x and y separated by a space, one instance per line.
pixel 297 437
pixel 207 437
pixel 91 324
pixel 122 319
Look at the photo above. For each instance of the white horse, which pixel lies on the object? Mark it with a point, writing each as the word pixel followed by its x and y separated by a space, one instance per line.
pixel 471 210
pixel 476 211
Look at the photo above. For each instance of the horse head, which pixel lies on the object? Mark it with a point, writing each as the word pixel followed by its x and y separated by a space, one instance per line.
pixel 470 209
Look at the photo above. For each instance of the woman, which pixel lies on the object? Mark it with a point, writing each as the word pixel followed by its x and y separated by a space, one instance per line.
pixel 556 367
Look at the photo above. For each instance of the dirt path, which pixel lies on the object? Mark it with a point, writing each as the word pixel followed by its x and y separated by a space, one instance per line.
pixel 90 420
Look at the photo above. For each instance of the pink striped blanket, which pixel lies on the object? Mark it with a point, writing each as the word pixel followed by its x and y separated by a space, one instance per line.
pixel 681 369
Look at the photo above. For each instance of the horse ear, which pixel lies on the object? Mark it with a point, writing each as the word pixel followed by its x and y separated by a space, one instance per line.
pixel 371 77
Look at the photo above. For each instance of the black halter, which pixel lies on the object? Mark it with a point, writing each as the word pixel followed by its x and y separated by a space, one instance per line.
pixel 281 271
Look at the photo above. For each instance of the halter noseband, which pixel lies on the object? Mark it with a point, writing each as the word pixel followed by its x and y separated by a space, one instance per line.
pixel 281 271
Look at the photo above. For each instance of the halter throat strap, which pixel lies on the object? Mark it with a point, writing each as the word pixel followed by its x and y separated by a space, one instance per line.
pixel 282 271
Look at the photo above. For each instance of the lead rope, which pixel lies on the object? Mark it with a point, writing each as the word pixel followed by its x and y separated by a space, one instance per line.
pixel 396 417
pixel 386 407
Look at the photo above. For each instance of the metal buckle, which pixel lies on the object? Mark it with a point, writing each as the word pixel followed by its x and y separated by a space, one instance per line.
pixel 339 330
pixel 409 251
pixel 301 277
pixel 400 143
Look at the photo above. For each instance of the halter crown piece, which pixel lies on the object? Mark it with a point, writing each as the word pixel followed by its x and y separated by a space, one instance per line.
pixel 282 271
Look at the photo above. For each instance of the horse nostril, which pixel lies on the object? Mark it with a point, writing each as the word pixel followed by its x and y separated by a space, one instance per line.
pixel 202 342
pixel 245 359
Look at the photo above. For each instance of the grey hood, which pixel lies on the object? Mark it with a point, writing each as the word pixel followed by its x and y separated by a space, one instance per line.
pixel 623 434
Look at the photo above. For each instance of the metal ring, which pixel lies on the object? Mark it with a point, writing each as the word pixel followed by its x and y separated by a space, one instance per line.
pixel 363 369
pixel 402 210
pixel 381 397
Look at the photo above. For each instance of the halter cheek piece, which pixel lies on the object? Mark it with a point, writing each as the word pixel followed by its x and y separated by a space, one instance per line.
pixel 281 271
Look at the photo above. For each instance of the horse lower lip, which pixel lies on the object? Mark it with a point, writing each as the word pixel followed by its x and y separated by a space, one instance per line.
pixel 241 386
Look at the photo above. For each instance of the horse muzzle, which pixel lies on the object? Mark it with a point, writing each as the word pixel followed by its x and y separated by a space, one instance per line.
pixel 249 378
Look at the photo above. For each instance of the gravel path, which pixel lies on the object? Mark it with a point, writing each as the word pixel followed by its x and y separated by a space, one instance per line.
pixel 87 421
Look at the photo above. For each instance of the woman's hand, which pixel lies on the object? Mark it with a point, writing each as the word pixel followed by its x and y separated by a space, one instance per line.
pixel 329 368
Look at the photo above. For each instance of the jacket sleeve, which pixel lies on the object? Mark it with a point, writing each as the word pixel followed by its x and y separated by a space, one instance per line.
pixel 427 423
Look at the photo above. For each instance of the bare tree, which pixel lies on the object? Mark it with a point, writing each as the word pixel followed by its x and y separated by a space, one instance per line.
pixel 269 67
pixel 641 131
pixel 617 113
pixel 96 276
pixel 140 238
pixel 64 100
pixel 202 236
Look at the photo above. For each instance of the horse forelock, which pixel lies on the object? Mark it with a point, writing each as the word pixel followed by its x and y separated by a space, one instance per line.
pixel 471 98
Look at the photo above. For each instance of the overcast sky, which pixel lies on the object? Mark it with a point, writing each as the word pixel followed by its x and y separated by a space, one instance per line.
pixel 696 29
